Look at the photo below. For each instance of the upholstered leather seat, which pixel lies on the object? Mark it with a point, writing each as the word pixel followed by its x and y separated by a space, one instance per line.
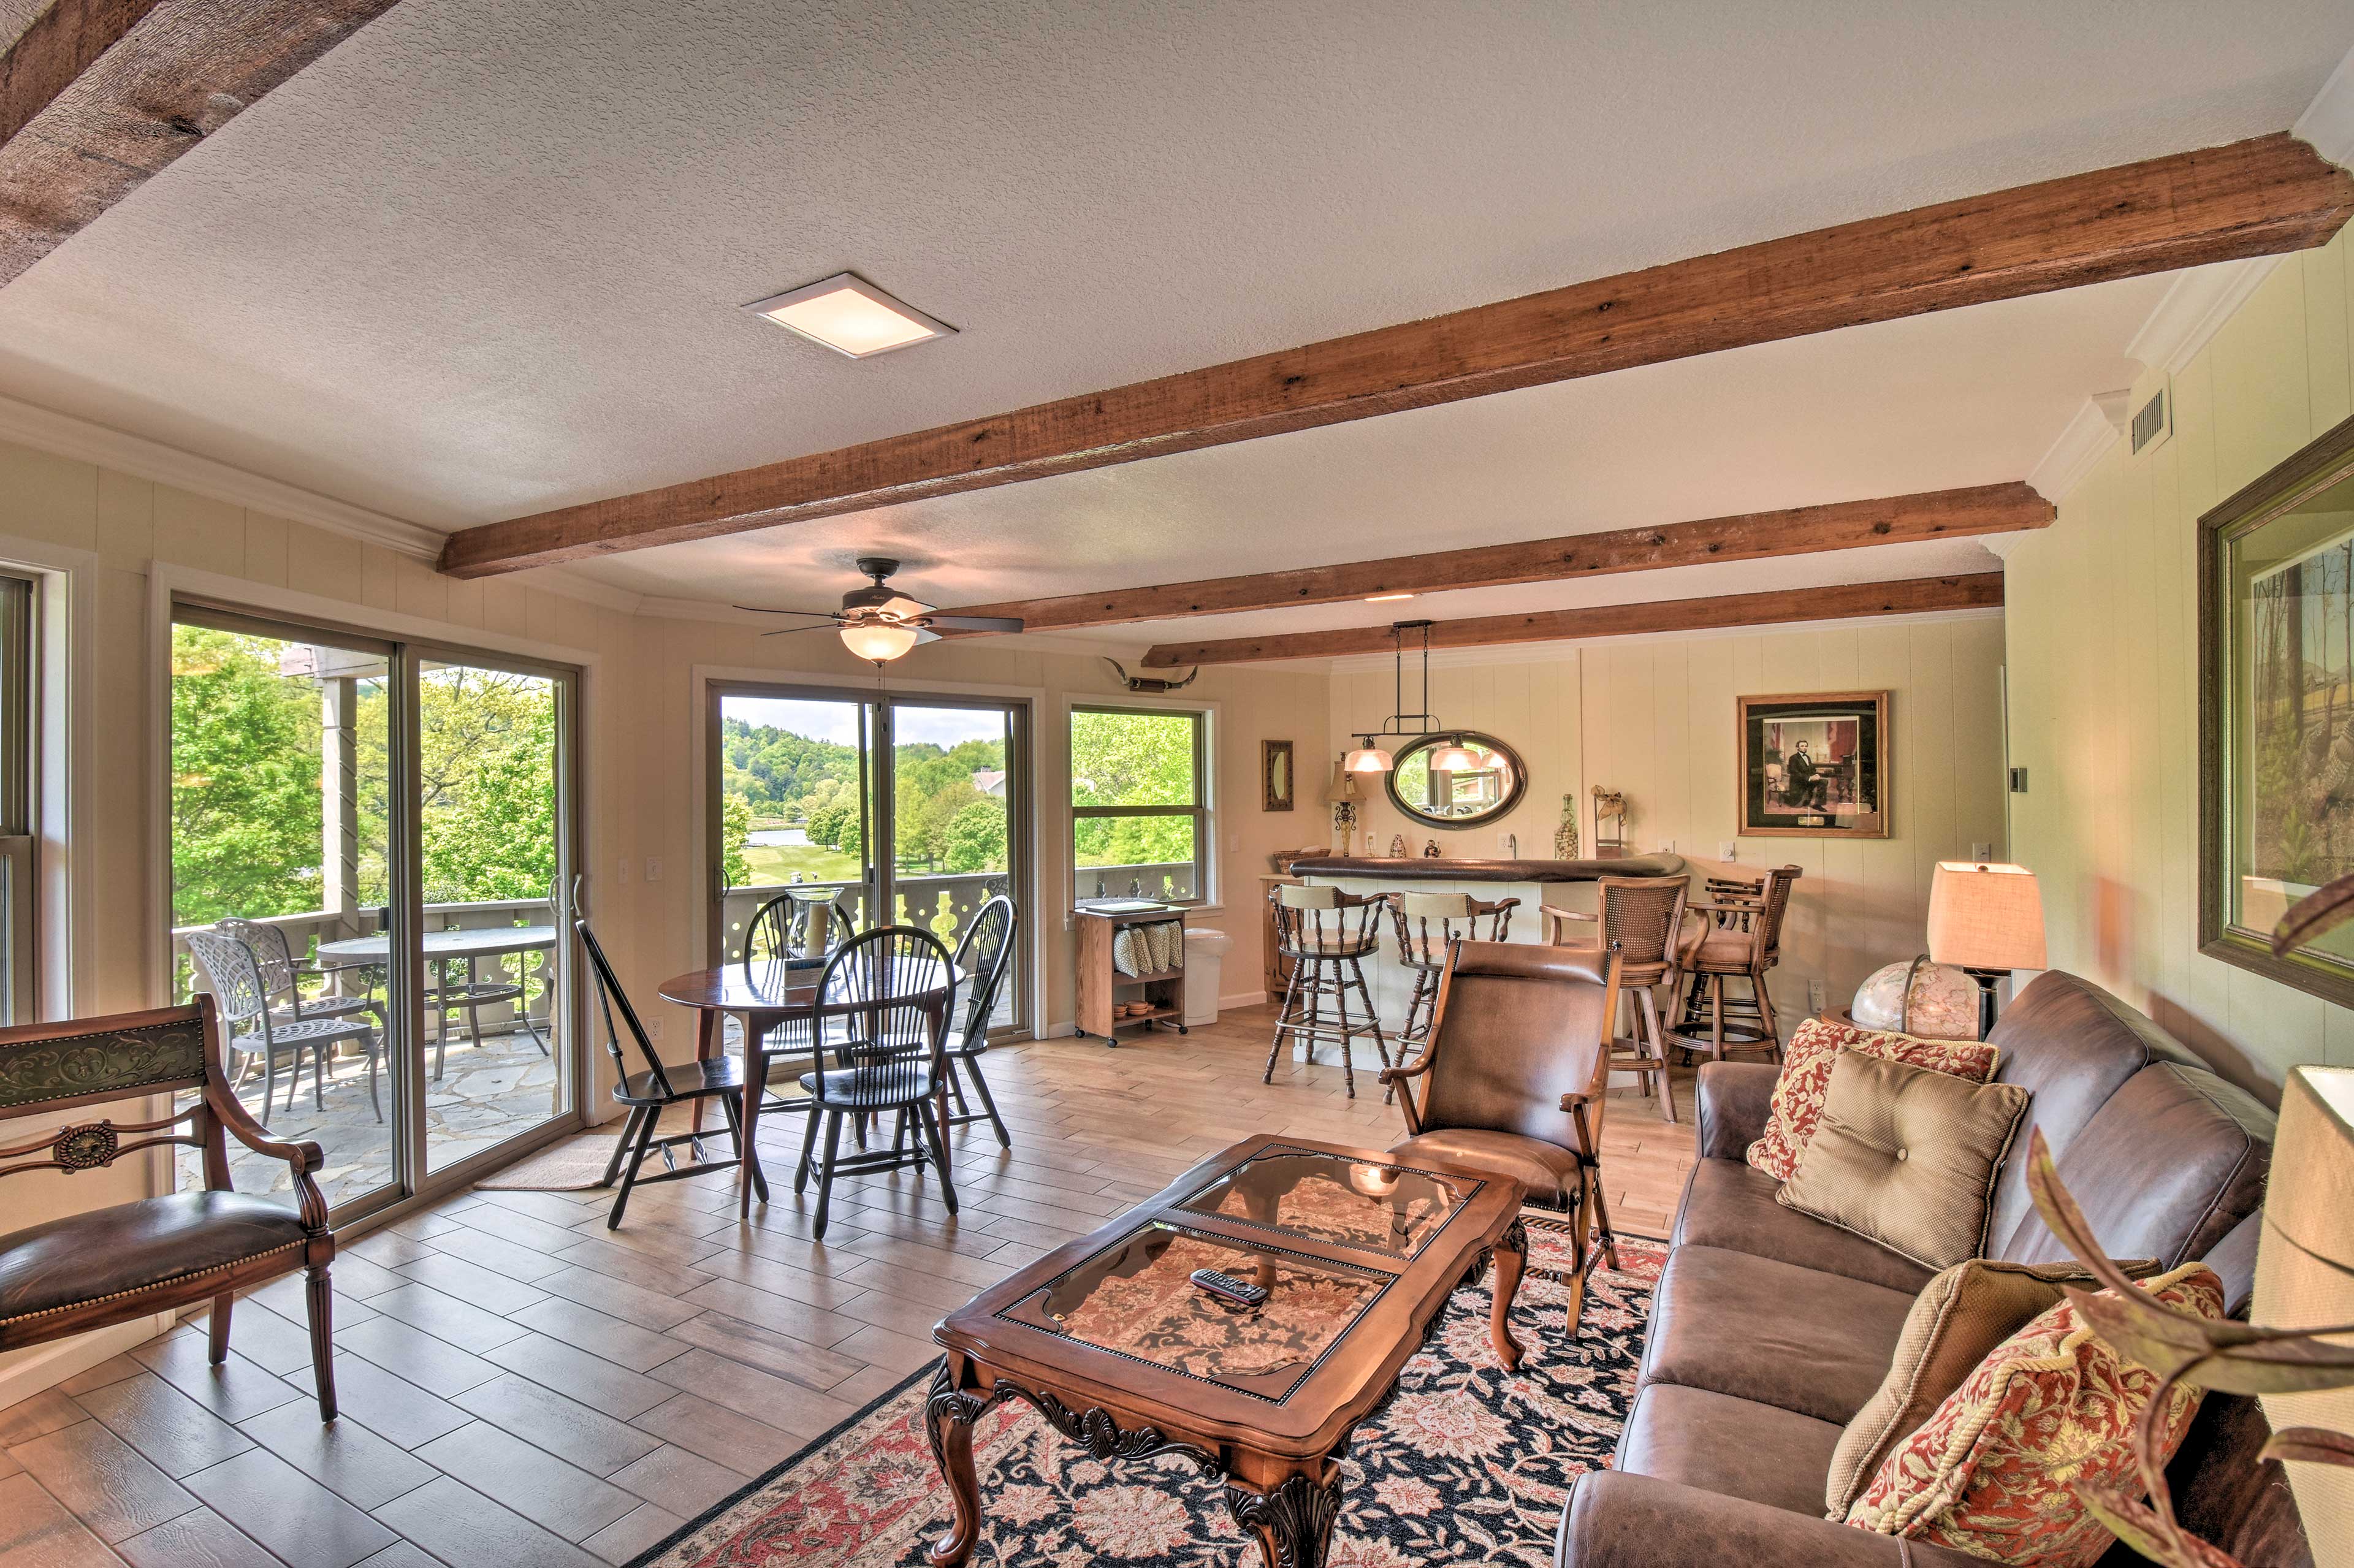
pixel 131 1246
pixel 1548 1171
pixel 1714 947
pixel 1698 1437
pixel 1712 1329
pixel 1730 1205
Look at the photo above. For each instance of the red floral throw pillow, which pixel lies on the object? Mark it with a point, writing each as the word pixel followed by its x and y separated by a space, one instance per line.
pixel 1993 1472
pixel 1806 1078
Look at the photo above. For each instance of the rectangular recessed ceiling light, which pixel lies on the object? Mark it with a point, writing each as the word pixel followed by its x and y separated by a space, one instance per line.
pixel 851 316
pixel 1386 597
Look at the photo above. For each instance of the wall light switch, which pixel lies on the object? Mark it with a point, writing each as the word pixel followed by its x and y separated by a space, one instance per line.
pixel 653 868
pixel 1982 854
pixel 1818 994
pixel 1728 850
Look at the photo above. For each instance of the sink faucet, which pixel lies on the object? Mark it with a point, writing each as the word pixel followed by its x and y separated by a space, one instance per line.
pixel 1512 846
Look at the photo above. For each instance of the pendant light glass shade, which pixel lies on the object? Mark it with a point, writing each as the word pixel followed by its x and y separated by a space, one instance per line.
pixel 1455 758
pixel 1368 758
pixel 879 641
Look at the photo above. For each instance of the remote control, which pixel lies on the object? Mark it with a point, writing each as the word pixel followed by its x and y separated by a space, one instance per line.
pixel 1225 1287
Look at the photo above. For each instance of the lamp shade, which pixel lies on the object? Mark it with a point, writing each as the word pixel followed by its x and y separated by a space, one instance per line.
pixel 1985 916
pixel 1342 787
pixel 1368 758
pixel 2304 1279
pixel 877 640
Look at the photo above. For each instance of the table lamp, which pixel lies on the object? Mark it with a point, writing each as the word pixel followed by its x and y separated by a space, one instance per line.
pixel 1989 920
pixel 2304 1279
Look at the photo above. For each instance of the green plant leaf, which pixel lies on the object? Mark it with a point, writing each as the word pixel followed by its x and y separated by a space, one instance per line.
pixel 2324 909
pixel 2298 1365
pixel 2311 1446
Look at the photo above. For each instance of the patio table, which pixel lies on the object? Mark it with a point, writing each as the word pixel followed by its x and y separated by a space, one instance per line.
pixel 484 942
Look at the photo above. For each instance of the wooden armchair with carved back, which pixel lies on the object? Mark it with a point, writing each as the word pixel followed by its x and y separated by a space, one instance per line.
pixel 113 1264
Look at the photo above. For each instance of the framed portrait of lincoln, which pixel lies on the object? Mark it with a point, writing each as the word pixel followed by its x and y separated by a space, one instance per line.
pixel 1814 766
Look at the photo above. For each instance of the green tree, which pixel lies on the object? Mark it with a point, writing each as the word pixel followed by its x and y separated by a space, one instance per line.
pixel 736 826
pixel 1132 759
pixel 246 834
pixel 975 840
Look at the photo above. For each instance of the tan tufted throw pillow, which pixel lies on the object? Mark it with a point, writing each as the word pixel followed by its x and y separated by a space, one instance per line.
pixel 1956 1322
pixel 1905 1157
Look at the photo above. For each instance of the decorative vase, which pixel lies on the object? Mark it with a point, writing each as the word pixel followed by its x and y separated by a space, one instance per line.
pixel 1565 837
pixel 1398 846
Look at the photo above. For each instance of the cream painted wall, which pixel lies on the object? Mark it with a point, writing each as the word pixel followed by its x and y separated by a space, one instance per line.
pixel 2103 622
pixel 1654 718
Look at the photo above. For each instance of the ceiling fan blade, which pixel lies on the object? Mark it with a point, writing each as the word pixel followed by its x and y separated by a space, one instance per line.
pixel 925 634
pixel 975 622
pixel 813 614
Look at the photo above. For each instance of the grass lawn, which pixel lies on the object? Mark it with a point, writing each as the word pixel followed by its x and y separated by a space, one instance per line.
pixel 773 864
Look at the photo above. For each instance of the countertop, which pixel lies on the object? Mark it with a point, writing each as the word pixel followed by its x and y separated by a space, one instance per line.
pixel 1419 868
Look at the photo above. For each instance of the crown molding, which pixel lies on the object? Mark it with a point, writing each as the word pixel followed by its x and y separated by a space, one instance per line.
pixel 2194 309
pixel 84 442
pixel 1551 653
pixel 2327 123
pixel 2095 428
pixel 569 583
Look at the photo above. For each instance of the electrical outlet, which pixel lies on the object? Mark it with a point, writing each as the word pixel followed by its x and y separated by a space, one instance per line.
pixel 1728 850
pixel 1369 843
pixel 653 868
pixel 653 1027
pixel 1982 854
pixel 1817 995
pixel 624 876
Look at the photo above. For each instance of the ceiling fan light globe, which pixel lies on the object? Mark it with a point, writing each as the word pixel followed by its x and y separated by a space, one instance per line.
pixel 879 641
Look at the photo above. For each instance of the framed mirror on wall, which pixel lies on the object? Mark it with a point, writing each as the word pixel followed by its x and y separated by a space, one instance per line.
pixel 2276 713
pixel 1458 779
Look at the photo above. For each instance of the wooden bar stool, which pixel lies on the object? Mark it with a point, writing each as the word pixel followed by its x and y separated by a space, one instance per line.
pixel 1422 950
pixel 1326 935
pixel 1738 937
pixel 1641 918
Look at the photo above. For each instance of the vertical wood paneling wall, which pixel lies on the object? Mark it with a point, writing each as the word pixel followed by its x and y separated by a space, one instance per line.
pixel 1654 717
pixel 2104 631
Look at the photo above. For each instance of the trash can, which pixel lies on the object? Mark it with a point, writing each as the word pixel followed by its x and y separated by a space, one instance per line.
pixel 1206 960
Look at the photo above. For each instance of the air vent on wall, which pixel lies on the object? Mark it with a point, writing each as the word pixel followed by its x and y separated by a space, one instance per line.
pixel 2153 421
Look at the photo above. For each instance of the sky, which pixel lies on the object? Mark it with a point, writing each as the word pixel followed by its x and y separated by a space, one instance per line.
pixel 838 721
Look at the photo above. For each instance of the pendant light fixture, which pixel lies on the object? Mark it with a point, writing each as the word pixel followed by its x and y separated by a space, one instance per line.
pixel 1370 758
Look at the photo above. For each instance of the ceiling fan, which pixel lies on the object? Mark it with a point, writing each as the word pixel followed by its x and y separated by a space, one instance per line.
pixel 880 623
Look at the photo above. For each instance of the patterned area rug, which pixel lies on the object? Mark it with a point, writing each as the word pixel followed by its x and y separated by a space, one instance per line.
pixel 1466 1464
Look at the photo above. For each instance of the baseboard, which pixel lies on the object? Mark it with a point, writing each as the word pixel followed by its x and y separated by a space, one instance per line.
pixel 51 1364
pixel 1243 999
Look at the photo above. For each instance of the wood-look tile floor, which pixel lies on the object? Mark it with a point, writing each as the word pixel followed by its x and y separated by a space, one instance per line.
pixel 521 1386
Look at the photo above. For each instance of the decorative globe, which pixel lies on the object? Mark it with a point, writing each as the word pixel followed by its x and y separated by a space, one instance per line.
pixel 1932 1001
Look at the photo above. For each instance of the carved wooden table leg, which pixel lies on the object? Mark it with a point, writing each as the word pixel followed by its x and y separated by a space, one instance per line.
pixel 1292 1521
pixel 948 1414
pixel 1511 1259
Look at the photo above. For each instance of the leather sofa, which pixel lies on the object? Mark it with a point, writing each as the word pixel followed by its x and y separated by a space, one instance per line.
pixel 1770 1329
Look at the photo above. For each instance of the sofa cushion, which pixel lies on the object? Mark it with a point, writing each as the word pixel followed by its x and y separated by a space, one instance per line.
pixel 1727 1204
pixel 1735 1447
pixel 1806 1081
pixel 1773 1332
pixel 2072 1045
pixel 1547 1171
pixel 1996 1470
pixel 2166 1168
pixel 105 1251
pixel 1906 1155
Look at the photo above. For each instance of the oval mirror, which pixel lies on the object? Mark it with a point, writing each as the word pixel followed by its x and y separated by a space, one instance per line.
pixel 1462 797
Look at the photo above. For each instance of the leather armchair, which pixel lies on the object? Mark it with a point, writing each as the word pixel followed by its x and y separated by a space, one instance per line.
pixel 1513 1078
pixel 132 1260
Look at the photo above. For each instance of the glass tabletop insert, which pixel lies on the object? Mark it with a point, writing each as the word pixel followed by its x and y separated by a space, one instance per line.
pixel 1348 1203
pixel 1137 1298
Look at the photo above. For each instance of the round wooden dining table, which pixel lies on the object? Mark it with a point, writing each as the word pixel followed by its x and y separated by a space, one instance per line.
pixel 762 997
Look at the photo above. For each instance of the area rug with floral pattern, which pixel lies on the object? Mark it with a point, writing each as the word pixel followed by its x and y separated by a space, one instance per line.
pixel 1466 1464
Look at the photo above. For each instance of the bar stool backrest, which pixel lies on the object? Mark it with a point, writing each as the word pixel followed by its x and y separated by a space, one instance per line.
pixel 1640 917
pixel 1457 917
pixel 1313 921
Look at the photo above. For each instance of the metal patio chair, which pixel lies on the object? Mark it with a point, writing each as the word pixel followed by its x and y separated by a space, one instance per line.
pixel 254 1030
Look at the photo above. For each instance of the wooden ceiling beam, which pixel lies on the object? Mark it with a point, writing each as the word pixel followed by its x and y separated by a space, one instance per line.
pixel 2005 508
pixel 1840 602
pixel 97 96
pixel 2256 197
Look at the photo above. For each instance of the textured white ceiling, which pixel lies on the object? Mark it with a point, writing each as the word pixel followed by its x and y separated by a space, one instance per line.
pixel 488 257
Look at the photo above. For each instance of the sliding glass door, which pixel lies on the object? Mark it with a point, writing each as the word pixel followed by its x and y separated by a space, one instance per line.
pixel 895 809
pixel 370 844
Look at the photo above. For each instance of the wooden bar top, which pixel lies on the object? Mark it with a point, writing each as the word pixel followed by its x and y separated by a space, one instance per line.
pixel 1420 868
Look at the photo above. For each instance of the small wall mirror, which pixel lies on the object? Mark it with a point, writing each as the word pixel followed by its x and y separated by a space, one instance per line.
pixel 1459 797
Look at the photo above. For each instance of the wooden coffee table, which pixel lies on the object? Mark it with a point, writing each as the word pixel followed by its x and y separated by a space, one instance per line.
pixel 1110 1341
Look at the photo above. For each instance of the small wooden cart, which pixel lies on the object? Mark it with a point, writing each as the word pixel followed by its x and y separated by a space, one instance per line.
pixel 1102 987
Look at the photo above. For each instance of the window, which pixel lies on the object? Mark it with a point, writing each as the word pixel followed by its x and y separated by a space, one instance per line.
pixel 19 887
pixel 1138 806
